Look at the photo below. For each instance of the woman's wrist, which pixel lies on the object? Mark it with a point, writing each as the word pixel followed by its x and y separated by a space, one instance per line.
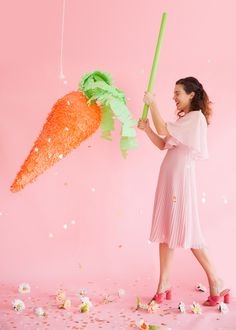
pixel 148 129
pixel 152 105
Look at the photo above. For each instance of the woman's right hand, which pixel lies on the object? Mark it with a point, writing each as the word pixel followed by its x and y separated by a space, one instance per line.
pixel 143 124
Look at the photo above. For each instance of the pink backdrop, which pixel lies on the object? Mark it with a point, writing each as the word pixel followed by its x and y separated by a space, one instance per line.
pixel 110 199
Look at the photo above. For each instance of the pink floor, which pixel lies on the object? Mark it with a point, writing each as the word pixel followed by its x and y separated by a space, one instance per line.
pixel 118 314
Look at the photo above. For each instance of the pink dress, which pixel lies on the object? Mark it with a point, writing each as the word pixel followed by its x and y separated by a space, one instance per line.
pixel 175 219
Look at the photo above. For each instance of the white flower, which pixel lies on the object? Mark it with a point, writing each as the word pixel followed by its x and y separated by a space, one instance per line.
pixel 85 300
pixel 82 292
pixel 24 288
pixel 153 307
pixel 223 308
pixel 140 305
pixel 201 287
pixel 196 308
pixel 39 311
pixel 67 304
pixel 141 324
pixel 181 307
pixel 143 306
pixel 86 304
pixel 18 305
pixel 121 292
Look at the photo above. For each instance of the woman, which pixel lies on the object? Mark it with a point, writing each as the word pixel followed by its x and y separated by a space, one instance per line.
pixel 175 220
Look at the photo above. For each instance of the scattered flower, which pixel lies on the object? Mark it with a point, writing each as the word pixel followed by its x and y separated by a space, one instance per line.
pixel 84 308
pixel 121 292
pixel 60 297
pixel 153 307
pixel 140 305
pixel 67 304
pixel 196 308
pixel 201 287
pixel 223 308
pixel 82 293
pixel 181 307
pixel 141 324
pixel 86 300
pixel 39 311
pixel 86 304
pixel 143 306
pixel 24 288
pixel 18 305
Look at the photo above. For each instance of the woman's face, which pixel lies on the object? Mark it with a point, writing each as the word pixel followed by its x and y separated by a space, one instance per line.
pixel 182 99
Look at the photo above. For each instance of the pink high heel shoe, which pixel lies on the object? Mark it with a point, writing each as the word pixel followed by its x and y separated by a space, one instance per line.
pixel 159 297
pixel 214 300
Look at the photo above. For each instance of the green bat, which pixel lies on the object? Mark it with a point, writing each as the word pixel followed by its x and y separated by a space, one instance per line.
pixel 155 61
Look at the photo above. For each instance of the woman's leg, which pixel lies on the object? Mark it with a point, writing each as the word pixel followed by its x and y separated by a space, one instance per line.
pixel 165 255
pixel 213 280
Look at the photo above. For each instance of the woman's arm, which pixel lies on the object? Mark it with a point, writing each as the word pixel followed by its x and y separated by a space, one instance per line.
pixel 158 121
pixel 157 140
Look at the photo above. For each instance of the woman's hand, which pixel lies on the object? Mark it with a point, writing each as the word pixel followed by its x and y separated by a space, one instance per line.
pixel 143 124
pixel 149 98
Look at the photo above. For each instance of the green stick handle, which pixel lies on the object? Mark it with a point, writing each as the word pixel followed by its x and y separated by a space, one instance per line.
pixel 155 61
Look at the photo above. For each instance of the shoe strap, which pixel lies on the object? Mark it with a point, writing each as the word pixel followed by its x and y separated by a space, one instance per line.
pixel 160 294
pixel 213 299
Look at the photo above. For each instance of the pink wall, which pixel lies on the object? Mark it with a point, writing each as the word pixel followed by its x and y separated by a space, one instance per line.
pixel 118 37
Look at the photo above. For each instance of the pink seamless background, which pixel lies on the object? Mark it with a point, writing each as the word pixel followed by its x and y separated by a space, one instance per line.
pixel 110 199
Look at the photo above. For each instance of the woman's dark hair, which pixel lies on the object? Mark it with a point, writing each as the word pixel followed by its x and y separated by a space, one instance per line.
pixel 200 101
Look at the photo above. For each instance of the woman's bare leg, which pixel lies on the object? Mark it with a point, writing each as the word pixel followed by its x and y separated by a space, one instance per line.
pixel 166 256
pixel 214 281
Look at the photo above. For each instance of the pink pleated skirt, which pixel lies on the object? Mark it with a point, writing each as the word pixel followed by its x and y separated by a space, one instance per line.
pixel 175 218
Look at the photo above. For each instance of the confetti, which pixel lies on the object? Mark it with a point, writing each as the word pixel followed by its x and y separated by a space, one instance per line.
pixel 107 299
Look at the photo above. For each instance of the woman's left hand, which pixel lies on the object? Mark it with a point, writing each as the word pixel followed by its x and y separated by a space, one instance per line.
pixel 149 98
